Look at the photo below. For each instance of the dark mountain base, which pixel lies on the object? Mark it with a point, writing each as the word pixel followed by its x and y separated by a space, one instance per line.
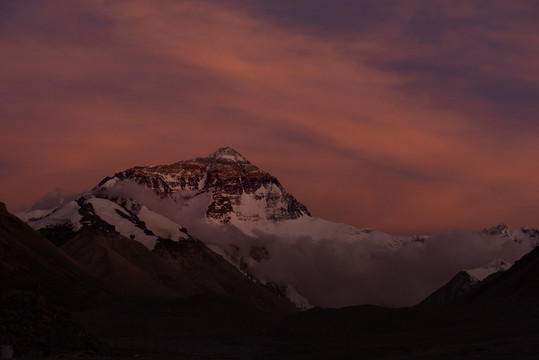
pixel 216 327
pixel 497 319
pixel 467 332
pixel 35 327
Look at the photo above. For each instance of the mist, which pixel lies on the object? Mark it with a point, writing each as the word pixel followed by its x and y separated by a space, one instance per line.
pixel 55 198
pixel 335 273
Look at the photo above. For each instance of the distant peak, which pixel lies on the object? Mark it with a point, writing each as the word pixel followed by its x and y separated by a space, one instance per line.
pixel 501 229
pixel 228 153
pixel 226 150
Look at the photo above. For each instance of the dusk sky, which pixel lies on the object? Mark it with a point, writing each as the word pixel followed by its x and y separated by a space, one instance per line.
pixel 412 117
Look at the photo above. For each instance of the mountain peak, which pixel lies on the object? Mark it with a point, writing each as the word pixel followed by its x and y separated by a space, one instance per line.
pixel 224 186
pixel 501 230
pixel 228 153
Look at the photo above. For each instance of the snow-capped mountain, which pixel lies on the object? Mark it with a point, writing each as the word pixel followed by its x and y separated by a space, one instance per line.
pixel 243 213
pixel 224 188
pixel 233 190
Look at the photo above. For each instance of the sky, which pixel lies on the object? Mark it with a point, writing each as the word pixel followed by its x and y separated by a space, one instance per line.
pixel 411 117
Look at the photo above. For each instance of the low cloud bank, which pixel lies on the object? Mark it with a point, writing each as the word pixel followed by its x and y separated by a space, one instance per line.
pixel 333 273
pixel 54 199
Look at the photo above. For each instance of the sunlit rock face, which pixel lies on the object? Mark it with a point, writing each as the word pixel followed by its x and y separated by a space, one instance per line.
pixel 239 190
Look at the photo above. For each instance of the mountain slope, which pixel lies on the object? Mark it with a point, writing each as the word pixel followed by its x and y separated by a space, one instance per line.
pixel 171 270
pixel 463 282
pixel 495 319
pixel 37 283
pixel 500 323
pixel 519 283
pixel 124 251
pixel 454 288
pixel 29 261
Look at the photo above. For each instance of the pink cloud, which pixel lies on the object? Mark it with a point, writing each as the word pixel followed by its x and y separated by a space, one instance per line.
pixel 389 146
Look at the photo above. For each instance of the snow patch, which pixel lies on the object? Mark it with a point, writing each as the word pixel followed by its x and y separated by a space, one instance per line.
pixel 34 215
pixel 109 183
pixel 160 225
pixel 108 212
pixel 296 298
pixel 307 226
pixel 231 157
pixel 202 181
pixel 66 214
pixel 483 272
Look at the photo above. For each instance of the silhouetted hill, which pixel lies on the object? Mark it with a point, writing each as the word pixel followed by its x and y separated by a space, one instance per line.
pixel 457 286
pixel 37 282
pixel 29 261
pixel 519 283
pixel 171 270
pixel 495 319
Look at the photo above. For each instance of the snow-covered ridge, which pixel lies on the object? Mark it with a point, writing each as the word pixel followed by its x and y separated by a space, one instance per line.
pixel 145 226
pixel 523 234
pixel 118 217
pixel 494 266
pixel 228 154
pixel 68 214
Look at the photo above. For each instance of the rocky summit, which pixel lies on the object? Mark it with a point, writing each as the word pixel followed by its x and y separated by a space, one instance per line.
pixel 238 189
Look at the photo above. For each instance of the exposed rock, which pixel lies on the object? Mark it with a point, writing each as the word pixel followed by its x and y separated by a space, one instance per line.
pixel 228 176
pixel 501 230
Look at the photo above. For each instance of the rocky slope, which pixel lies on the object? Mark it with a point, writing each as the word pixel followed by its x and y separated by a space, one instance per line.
pixel 236 190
